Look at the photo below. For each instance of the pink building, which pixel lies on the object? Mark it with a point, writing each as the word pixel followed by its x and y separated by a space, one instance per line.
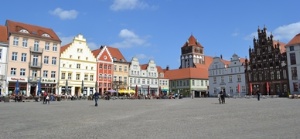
pixel 33 56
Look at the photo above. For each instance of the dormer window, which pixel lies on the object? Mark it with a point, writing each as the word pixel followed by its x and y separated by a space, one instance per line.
pixel 23 31
pixel 46 35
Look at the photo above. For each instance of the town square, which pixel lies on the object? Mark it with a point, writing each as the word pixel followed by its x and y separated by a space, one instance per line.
pixel 205 118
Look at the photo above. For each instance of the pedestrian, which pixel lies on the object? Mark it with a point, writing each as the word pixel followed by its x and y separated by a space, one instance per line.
pixel 224 95
pixel 47 99
pixel 44 96
pixel 258 95
pixel 96 97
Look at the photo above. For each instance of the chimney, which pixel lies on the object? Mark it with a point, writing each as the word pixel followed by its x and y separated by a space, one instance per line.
pixel 167 68
pixel 221 56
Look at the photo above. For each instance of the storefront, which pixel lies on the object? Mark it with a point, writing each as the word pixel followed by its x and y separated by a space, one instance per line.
pixel 12 85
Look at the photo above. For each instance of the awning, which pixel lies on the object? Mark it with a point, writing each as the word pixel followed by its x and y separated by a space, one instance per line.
pixel 126 91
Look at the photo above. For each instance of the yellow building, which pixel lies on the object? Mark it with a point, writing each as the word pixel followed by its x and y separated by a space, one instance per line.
pixel 77 68
pixel 121 68
pixel 33 56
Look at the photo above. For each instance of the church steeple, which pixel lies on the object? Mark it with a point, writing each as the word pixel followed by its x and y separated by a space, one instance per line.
pixel 192 52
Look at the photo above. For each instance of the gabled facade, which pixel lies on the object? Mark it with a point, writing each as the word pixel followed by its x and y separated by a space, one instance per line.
pixel 191 79
pixel 266 69
pixel 33 55
pixel 77 68
pixel 3 60
pixel 228 76
pixel 145 77
pixel 163 82
pixel 293 63
pixel 104 68
pixel 121 69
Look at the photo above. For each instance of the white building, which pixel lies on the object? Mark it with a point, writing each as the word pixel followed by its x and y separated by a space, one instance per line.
pixel 145 77
pixel 293 63
pixel 228 76
pixel 3 60
pixel 77 66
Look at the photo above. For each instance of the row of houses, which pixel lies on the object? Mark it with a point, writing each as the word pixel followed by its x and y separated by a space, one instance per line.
pixel 30 53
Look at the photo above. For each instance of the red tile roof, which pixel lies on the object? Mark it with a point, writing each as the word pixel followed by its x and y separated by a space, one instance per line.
pixel 192 41
pixel 116 53
pixel 34 31
pixel 144 66
pixel 3 34
pixel 96 52
pixel 63 48
pixel 294 41
pixel 187 73
pixel 198 72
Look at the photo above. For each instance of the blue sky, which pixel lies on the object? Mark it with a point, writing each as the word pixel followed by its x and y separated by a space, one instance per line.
pixel 156 29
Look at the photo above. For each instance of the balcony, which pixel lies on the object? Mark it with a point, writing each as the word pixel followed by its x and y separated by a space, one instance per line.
pixel 36 50
pixel 35 65
pixel 33 79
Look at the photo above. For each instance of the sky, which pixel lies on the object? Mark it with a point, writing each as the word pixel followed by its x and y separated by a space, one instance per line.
pixel 157 29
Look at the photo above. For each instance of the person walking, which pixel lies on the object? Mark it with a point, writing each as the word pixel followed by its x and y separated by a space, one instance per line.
pixel 258 95
pixel 96 97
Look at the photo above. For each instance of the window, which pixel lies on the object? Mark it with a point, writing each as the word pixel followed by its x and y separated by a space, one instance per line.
pixel 109 67
pixel 36 45
pixel 120 78
pixel 52 74
pixel 295 86
pixel 230 78
pixel 69 76
pixel 23 58
pixel 115 67
pixel 34 73
pixel 272 75
pixel 45 73
pixel 78 66
pixel 105 66
pixel 47 46
pixel 24 43
pixel 54 48
pixel 46 59
pixel 115 78
pixel 120 68
pixel 291 48
pixel 14 56
pixel 63 75
pixel 91 77
pixel 79 50
pixel 293 58
pixel 125 68
pixel 22 72
pixel 86 76
pixel 278 75
pixel 294 73
pixel 0 53
pixel 70 66
pixel 100 66
pixel 125 80
pixel 77 76
pixel 222 79
pixel 53 60
pixel 13 71
pixel 16 41
pixel 239 77
pixel 215 79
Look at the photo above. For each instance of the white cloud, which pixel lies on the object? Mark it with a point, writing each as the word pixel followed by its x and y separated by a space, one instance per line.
pixel 130 39
pixel 235 33
pixel 128 5
pixel 92 45
pixel 282 33
pixel 286 32
pixel 141 56
pixel 66 40
pixel 64 14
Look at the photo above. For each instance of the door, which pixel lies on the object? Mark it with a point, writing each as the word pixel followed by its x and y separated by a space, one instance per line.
pixel 35 60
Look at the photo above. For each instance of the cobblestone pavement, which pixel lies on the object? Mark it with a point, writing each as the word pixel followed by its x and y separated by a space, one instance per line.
pixel 199 118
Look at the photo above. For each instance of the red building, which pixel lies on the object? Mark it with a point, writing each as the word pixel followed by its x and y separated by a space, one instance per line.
pixel 104 75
